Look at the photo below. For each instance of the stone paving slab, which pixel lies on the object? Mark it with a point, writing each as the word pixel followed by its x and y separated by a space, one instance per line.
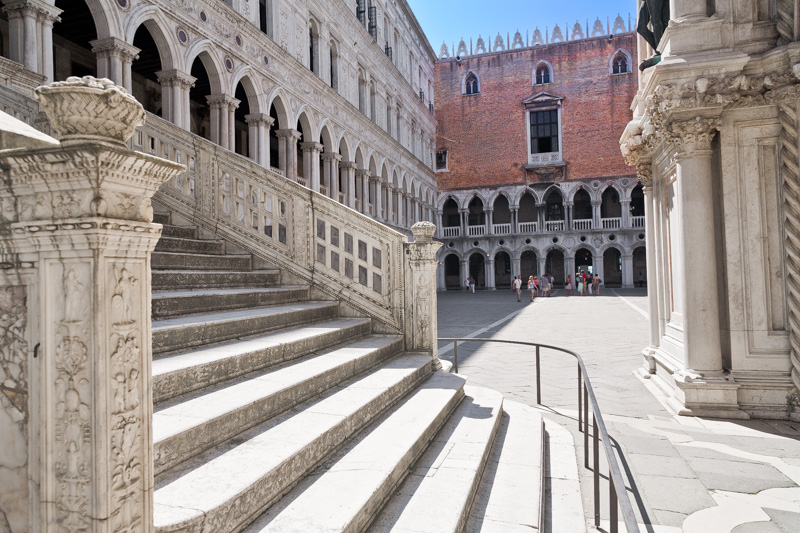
pixel 683 474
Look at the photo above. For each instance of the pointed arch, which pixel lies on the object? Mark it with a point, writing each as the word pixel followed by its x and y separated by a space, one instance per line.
pixel 542 73
pixel 620 62
pixel 470 83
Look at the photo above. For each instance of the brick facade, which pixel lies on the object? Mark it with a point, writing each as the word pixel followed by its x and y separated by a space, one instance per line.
pixel 485 134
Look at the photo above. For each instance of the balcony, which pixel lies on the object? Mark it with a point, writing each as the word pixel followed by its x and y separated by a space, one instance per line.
pixel 527 227
pixel 554 225
pixel 476 231
pixel 582 224
pixel 612 223
pixel 502 229
pixel 637 222
pixel 454 231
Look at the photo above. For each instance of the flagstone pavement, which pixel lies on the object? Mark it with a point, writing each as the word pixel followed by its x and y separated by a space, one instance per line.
pixel 682 473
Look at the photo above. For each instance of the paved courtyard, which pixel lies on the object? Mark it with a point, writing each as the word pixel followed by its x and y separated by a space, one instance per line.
pixel 690 474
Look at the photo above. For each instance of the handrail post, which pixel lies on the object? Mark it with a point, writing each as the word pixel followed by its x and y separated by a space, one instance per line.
pixel 586 426
pixel 596 457
pixel 612 502
pixel 580 400
pixel 538 378
pixel 455 355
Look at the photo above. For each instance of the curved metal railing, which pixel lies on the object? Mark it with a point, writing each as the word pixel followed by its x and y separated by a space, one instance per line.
pixel 618 495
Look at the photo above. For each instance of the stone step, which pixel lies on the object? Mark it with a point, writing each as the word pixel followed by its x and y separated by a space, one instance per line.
pixel 437 495
pixel 193 425
pixel 183 261
pixel 177 303
pixel 347 494
pixel 226 487
pixel 174 334
pixel 190 371
pixel 162 218
pixel 511 494
pixel 181 232
pixel 190 246
pixel 202 279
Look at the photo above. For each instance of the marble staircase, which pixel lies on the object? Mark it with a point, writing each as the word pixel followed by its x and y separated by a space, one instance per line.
pixel 274 413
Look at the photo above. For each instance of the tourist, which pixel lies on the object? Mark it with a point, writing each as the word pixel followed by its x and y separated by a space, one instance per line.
pixel 568 285
pixel 641 279
pixel 472 284
pixel 518 286
pixel 579 279
pixel 596 283
pixel 536 283
pixel 531 287
pixel 590 285
pixel 466 283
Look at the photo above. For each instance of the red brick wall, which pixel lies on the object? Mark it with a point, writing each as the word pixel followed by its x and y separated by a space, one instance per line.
pixel 486 136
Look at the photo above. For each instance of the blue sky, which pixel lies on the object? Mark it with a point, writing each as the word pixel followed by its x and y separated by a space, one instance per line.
pixel 451 20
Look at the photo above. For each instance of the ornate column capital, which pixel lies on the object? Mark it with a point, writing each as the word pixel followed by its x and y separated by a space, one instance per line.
pixel 692 136
pixel 311 147
pixel 259 118
pixel 331 156
pixel 35 8
pixel 288 133
pixel 112 46
pixel 174 76
pixel 347 165
pixel 362 173
pixel 222 101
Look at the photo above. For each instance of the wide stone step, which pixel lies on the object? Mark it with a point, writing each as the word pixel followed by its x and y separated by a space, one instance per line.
pixel 183 261
pixel 176 303
pixel 437 495
pixel 511 494
pixel 228 486
pixel 203 279
pixel 190 371
pixel 348 494
pixel 181 232
pixel 162 218
pixel 176 334
pixel 190 246
pixel 193 425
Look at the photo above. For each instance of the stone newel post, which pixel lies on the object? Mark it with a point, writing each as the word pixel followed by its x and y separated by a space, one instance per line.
pixel 420 298
pixel 76 245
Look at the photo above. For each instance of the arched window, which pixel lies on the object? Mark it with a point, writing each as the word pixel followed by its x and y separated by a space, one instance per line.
pixel 471 85
pixel 334 66
pixel 542 74
pixel 620 65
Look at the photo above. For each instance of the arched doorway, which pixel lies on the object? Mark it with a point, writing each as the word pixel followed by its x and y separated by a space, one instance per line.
pixel 502 270
pixel 640 266
pixel 584 261
pixel 612 268
pixel 477 269
pixel 554 265
pixel 452 273
pixel 528 265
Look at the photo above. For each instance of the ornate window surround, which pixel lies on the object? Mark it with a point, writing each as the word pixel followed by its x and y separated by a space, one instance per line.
pixel 543 101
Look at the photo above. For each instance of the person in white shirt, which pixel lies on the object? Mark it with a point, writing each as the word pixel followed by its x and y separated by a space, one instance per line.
pixel 518 287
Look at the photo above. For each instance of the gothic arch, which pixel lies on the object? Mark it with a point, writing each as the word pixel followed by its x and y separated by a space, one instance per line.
pixel 468 199
pixel 465 89
pixel 581 187
pixel 628 58
pixel 525 190
pixel 496 194
pixel 550 71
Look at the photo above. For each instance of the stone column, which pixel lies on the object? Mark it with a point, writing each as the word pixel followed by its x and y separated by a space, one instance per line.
pixel 652 281
pixel 78 291
pixel 441 281
pixel 568 216
pixel 540 215
pixel 378 199
pixel 627 271
pixel 420 292
pixel 47 17
pixel 514 216
pixel 489 221
pixel 598 267
pixel 596 214
pixel 390 206
pixel 698 247
pixel 490 274
pixel 350 183
pixel 175 86
pixel 542 264
pixel 114 58
pixel 516 269
pixel 311 151
pixel 362 177
pixel 569 266
pixel 287 151
pixel 30 50
pixel 464 273
pixel 625 207
pixel 258 133
pixel 330 170
pixel 464 214
pixel 218 107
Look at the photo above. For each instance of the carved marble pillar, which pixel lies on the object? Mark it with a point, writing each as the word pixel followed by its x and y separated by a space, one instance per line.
pixel 627 271
pixel 698 246
pixel 362 189
pixel 421 328
pixel 464 217
pixel 258 137
pixel 175 86
pixel 114 58
pixel 489 221
pixel 349 168
pixel 30 25
pixel 46 18
pixel 79 241
pixel 540 216
pixel 598 267
pixel 490 274
pixel 625 206
pixel 542 264
pixel 514 213
pixel 330 167
pixel 596 224
pixel 311 151
pixel 287 151
pixel 390 204
pixel 378 199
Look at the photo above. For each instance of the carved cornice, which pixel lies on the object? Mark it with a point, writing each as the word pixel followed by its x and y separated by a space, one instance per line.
pixel 693 135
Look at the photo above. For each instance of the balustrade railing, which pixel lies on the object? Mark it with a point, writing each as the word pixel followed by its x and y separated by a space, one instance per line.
pixel 612 223
pixel 340 251
pixel 476 231
pixel 527 227
pixel 554 225
pixel 502 229
pixel 453 231
pixel 582 224
pixel 637 222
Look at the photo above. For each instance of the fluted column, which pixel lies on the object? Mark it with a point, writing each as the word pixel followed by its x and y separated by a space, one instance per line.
pixel 390 207
pixel 175 86
pixel 311 151
pixel 258 136
pixel 114 59
pixel 596 214
pixel 349 168
pixel 30 25
pixel 362 184
pixel 47 17
pixel 330 168
pixel 378 199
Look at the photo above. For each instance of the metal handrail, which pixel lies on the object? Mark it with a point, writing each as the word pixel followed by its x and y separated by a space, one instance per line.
pixel 617 493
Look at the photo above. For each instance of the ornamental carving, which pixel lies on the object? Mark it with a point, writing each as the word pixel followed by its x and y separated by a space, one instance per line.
pixel 14 347
pixel 693 134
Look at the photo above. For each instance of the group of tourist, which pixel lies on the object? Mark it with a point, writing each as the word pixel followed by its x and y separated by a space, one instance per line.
pixel 536 286
pixel 585 284
pixel 543 285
